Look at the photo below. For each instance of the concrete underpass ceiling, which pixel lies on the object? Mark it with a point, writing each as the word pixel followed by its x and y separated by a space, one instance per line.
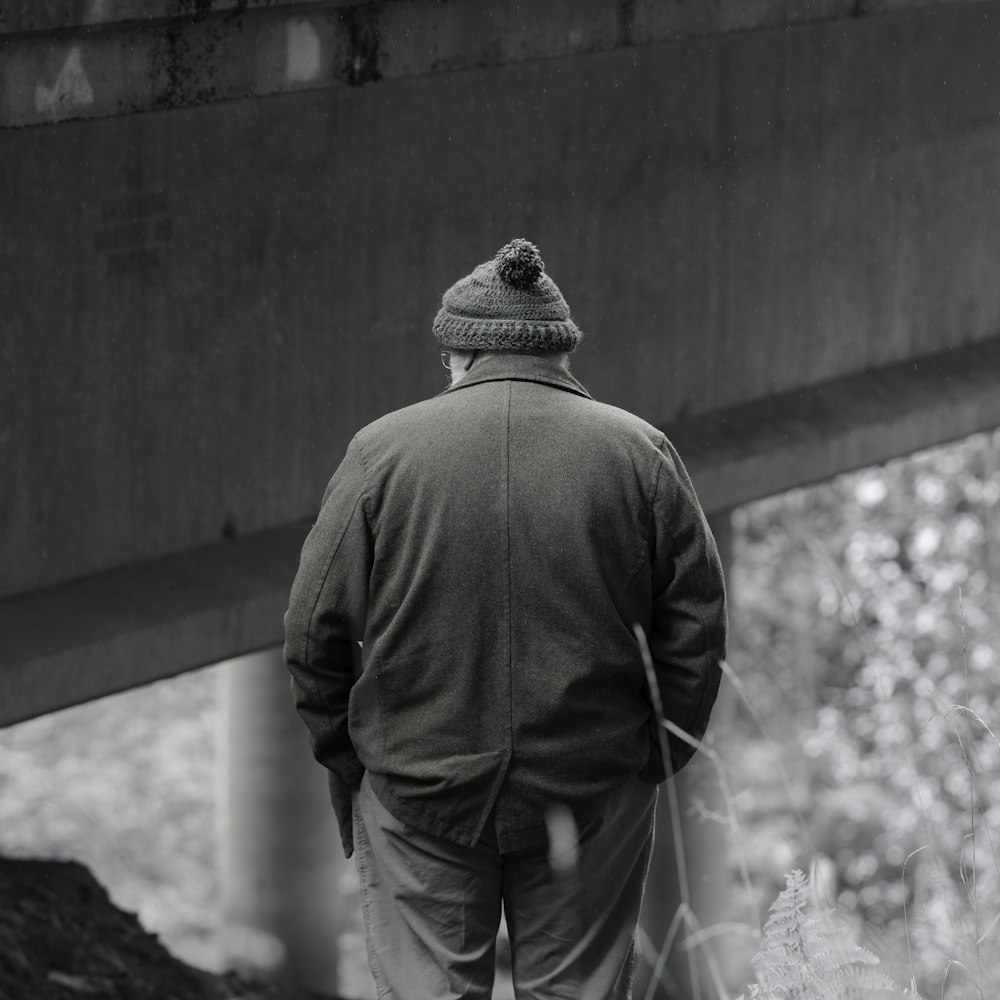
pixel 801 271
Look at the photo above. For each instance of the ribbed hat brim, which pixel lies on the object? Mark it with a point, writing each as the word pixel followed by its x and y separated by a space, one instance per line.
pixel 476 334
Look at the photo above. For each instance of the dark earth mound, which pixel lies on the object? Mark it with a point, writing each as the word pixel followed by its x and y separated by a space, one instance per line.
pixel 61 938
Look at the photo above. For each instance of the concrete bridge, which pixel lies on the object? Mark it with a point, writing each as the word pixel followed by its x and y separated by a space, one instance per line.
pixel 225 227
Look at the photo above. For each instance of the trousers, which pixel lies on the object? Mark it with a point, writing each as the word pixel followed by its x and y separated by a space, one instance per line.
pixel 432 908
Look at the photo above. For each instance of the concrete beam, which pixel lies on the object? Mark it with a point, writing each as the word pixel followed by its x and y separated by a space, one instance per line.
pixel 767 446
pixel 127 627
pixel 71 59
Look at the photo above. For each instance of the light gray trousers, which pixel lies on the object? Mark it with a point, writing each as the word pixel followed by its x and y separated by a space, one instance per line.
pixel 432 908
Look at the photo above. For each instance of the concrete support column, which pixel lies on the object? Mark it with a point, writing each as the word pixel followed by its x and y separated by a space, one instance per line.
pixel 702 843
pixel 280 853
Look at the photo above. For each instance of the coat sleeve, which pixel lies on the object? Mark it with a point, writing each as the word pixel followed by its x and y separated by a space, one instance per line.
pixel 325 618
pixel 689 627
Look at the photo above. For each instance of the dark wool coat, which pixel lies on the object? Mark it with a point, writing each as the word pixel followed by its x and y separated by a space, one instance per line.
pixel 493 548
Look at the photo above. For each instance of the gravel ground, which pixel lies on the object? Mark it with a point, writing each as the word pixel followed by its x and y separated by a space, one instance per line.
pixel 127 786
pixel 61 938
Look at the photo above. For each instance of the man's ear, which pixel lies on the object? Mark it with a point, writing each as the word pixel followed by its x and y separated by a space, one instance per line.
pixel 465 358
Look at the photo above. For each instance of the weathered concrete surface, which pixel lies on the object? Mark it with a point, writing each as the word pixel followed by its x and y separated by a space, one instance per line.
pixel 112 631
pixel 65 59
pixel 51 15
pixel 200 307
pixel 17 16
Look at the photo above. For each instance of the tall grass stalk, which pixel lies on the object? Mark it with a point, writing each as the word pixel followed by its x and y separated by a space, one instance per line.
pixel 971 752
pixel 711 755
pixel 682 881
pixel 906 926
pixel 697 937
pixel 660 962
pixel 969 755
pixel 678 838
pixel 786 779
pixel 964 968
pixel 973 792
pixel 729 799
pixel 967 752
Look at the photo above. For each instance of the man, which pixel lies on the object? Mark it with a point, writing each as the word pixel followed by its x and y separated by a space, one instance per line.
pixel 493 548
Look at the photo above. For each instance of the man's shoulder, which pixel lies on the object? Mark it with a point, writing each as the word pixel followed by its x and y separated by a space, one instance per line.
pixel 402 423
pixel 624 420
pixel 604 418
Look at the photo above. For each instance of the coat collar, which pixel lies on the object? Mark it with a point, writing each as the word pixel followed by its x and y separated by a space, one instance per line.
pixel 521 368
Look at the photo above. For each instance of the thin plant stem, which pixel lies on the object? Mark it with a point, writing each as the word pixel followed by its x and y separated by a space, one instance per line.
pixel 659 966
pixel 975 794
pixel 986 933
pixel 728 798
pixel 964 968
pixel 678 837
pixel 833 574
pixel 726 927
pixel 711 755
pixel 945 712
pixel 972 798
pixel 660 974
pixel 906 926
pixel 786 779
pixel 980 797
pixel 675 819
pixel 697 939
pixel 968 755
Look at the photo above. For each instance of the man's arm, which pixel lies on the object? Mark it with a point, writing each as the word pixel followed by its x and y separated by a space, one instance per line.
pixel 326 615
pixel 689 626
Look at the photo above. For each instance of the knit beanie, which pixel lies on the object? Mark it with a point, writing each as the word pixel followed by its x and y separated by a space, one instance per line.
pixel 508 303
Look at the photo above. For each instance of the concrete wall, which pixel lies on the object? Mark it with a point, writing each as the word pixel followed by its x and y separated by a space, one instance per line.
pixel 63 59
pixel 781 245
pixel 201 305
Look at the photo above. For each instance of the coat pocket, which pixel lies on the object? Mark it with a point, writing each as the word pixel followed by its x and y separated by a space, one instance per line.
pixel 366 722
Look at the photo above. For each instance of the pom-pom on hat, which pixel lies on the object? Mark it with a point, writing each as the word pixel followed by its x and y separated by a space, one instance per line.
pixel 508 303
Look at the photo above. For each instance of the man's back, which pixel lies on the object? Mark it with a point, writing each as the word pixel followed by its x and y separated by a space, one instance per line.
pixel 511 520
pixel 511 529
pixel 494 549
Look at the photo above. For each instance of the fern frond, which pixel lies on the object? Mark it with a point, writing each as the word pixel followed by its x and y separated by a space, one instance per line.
pixel 805 953
pixel 857 983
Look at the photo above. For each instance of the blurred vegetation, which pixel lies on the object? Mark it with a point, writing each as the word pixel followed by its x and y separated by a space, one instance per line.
pixel 125 785
pixel 807 954
pixel 863 609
